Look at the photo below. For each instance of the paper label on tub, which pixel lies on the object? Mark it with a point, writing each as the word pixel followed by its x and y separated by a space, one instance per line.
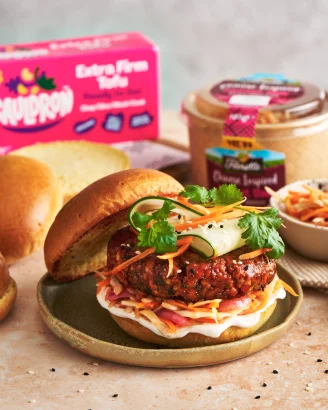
pixel 240 122
pixel 240 159
pixel 250 170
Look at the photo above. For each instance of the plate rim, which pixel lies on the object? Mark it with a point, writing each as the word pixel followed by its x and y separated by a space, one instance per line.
pixel 162 353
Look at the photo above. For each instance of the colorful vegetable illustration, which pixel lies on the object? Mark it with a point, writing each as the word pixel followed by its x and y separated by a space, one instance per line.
pixel 29 82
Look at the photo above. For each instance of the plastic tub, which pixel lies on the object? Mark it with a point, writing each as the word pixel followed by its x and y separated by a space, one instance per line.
pixel 296 128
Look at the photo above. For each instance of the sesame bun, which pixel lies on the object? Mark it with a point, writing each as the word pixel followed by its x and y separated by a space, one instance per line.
pixel 30 199
pixel 231 334
pixel 76 244
pixel 8 289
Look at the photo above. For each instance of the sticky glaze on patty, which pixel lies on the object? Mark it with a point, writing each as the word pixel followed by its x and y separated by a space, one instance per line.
pixel 193 278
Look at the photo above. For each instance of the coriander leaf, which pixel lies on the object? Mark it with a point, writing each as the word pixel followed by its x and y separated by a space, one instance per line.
pixel 279 248
pixel 256 231
pixel 225 194
pixel 164 212
pixel 166 237
pixel 155 230
pixel 160 235
pixel 146 238
pixel 261 231
pixel 141 220
pixel 196 193
pixel 271 217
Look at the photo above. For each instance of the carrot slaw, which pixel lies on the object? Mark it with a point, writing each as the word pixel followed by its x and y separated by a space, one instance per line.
pixel 200 312
pixel 309 205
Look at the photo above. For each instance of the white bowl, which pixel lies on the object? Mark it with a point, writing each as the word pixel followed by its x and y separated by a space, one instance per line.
pixel 309 240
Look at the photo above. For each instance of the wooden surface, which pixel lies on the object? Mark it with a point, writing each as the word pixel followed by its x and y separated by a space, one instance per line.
pixel 26 345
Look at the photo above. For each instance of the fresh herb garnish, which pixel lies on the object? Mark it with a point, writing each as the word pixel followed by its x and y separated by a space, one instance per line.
pixel 226 194
pixel 196 193
pixel 260 228
pixel 155 231
pixel 261 231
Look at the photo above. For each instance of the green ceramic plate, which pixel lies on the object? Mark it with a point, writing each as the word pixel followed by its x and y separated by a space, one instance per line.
pixel 71 311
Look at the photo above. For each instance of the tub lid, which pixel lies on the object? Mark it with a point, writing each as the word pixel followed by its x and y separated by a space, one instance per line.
pixel 278 99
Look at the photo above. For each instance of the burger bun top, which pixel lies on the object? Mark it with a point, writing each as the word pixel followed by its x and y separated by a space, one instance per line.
pixel 76 244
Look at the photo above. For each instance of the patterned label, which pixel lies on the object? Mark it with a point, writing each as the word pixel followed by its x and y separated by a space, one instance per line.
pixel 240 121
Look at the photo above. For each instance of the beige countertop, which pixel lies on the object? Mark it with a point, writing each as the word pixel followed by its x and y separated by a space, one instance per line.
pixel 28 352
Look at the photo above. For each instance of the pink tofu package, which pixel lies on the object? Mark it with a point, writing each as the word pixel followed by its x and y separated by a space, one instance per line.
pixel 101 89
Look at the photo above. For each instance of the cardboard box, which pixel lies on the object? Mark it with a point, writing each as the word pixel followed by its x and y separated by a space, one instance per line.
pixel 102 89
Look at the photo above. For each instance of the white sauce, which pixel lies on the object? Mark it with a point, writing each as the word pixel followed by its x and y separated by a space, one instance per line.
pixel 206 329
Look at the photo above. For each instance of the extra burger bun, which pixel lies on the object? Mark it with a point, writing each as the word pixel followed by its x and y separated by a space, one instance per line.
pixel 231 334
pixel 76 244
pixel 8 289
pixel 30 199
pixel 77 163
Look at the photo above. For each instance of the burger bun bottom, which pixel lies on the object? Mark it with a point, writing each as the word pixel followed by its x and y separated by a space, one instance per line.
pixel 8 299
pixel 231 334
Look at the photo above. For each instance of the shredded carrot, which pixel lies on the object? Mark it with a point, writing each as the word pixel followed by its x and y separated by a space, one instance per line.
pixel 125 264
pixel 205 320
pixel 214 305
pixel 103 283
pixel 179 304
pixel 170 324
pixel 189 307
pixel 183 248
pixel 253 208
pixel 198 208
pixel 299 194
pixel 254 254
pixel 307 205
pixel 212 217
pixel 147 305
pixel 288 288
pixel 311 214
pixel 308 188
pixel 149 251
